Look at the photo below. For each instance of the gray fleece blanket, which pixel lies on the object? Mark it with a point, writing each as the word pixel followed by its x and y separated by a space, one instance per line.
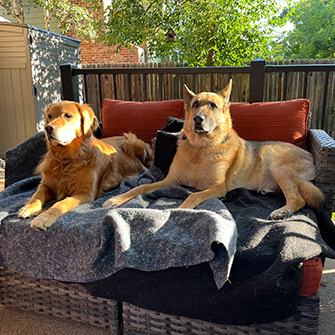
pixel 91 243
pixel 161 258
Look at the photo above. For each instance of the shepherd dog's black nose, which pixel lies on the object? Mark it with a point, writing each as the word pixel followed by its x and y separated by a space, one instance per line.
pixel 198 119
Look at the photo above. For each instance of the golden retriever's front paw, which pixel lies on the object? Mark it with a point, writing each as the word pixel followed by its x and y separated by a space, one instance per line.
pixel 114 202
pixel 29 210
pixel 44 220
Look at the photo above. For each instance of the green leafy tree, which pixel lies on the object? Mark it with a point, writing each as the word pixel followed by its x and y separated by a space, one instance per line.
pixel 199 32
pixel 313 35
pixel 70 16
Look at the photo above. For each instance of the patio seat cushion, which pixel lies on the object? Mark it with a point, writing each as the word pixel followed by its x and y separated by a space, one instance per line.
pixel 311 276
pixel 285 121
pixel 141 118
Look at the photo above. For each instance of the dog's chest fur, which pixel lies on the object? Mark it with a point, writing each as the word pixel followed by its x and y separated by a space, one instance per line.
pixel 198 168
pixel 65 177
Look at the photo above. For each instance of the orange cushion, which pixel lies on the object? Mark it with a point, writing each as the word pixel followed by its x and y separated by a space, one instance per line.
pixel 141 118
pixel 272 121
pixel 311 277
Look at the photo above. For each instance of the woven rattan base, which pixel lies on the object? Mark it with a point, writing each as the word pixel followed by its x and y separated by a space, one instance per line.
pixel 65 300
pixel 71 301
pixel 141 321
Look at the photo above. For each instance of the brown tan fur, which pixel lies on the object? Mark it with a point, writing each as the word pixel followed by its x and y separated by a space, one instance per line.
pixel 213 159
pixel 78 168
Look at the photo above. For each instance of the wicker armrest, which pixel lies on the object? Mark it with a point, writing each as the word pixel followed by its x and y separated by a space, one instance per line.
pixel 322 147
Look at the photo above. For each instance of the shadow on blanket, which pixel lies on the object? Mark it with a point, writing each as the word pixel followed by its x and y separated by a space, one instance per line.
pixel 173 261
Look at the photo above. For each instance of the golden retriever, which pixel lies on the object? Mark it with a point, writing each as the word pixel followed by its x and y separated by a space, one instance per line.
pixel 78 168
pixel 213 159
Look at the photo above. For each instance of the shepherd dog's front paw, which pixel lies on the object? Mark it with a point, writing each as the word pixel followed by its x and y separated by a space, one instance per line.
pixel 114 201
pixel 281 214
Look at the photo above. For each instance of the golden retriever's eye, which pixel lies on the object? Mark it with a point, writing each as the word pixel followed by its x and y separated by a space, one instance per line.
pixel 213 105
pixel 68 116
pixel 48 116
pixel 195 104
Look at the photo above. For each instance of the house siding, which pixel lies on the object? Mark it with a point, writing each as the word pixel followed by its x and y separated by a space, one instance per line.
pixel 32 16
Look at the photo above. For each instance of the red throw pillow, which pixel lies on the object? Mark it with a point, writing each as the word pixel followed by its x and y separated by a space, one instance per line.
pixel 141 118
pixel 311 277
pixel 272 121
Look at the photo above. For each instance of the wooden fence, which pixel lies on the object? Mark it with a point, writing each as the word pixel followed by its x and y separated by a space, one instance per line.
pixel 316 82
pixel 172 84
pixel 277 86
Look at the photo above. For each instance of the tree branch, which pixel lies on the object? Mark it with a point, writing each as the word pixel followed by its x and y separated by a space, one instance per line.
pixel 6 6
pixel 48 17
pixel 19 10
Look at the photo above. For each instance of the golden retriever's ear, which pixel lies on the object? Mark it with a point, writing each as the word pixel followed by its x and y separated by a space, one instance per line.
pixel 47 109
pixel 89 122
pixel 226 93
pixel 188 95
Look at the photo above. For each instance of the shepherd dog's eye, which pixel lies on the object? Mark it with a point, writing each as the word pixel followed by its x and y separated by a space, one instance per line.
pixel 195 104
pixel 213 105
pixel 68 116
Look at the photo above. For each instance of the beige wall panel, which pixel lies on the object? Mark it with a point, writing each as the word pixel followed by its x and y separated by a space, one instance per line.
pixel 4 134
pixel 18 129
pixel 12 47
pixel 9 109
pixel 20 122
pixel 13 65
pixel 17 116
pixel 28 107
pixel 14 51
pixel 29 78
pixel 13 29
pixel 12 39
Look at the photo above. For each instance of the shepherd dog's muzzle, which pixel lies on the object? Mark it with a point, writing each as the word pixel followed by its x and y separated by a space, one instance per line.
pixel 203 123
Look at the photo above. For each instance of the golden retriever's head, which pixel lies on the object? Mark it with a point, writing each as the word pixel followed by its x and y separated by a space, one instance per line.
pixel 207 116
pixel 67 120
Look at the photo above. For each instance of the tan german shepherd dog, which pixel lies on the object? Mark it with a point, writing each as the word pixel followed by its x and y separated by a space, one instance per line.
pixel 213 159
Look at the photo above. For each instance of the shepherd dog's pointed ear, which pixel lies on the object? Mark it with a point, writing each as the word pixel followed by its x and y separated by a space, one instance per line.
pixel 226 93
pixel 89 122
pixel 188 96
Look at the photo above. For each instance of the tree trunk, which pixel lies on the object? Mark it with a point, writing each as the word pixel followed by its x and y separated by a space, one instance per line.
pixel 210 57
pixel 18 8
pixel 46 19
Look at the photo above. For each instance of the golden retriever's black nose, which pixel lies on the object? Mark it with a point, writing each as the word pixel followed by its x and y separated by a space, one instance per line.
pixel 49 128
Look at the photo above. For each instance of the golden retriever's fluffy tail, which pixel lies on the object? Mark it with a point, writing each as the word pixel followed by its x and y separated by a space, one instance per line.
pixel 311 194
pixel 134 147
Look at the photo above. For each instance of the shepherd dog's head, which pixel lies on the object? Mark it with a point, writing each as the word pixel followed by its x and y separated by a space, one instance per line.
pixel 207 118
pixel 68 120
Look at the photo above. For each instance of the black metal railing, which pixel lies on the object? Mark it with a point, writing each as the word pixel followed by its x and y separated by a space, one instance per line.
pixel 257 72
